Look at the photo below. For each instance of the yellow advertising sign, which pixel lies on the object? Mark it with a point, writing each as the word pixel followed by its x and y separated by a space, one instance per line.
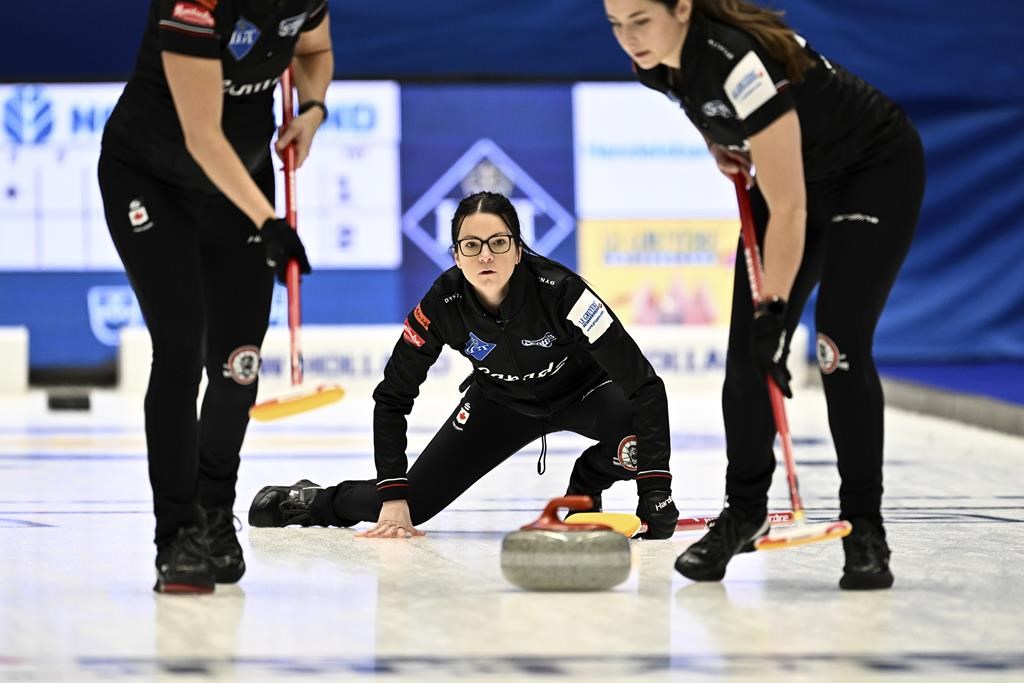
pixel 676 272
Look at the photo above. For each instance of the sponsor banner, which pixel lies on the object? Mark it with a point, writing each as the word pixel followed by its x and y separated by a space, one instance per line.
pixel 515 140
pixel 637 156
pixel 687 358
pixel 668 272
pixel 51 213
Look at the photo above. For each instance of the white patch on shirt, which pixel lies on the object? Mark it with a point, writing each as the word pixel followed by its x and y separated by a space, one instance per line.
pixel 749 85
pixel 590 315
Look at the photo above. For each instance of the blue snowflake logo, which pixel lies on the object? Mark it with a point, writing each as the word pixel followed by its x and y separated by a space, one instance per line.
pixel 28 116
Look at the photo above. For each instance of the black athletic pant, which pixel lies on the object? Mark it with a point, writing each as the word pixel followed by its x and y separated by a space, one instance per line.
pixel 859 229
pixel 462 453
pixel 205 292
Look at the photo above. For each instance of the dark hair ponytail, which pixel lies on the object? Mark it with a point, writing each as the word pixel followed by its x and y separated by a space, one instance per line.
pixel 765 25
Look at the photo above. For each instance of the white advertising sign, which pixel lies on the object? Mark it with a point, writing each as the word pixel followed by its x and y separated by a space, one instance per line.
pixel 51 215
pixel 638 156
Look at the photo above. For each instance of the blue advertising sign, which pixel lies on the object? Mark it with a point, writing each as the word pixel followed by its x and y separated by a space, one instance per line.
pixel 457 140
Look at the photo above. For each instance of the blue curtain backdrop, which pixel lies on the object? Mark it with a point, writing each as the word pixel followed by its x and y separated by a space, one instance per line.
pixel 953 66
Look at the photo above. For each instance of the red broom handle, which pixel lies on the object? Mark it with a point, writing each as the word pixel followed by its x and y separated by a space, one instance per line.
pixel 755 274
pixel 292 276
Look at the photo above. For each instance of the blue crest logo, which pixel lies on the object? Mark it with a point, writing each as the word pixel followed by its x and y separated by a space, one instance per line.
pixel 28 116
pixel 110 309
pixel 243 38
pixel 477 347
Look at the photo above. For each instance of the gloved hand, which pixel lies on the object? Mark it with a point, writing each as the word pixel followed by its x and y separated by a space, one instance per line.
pixel 768 343
pixel 282 244
pixel 659 513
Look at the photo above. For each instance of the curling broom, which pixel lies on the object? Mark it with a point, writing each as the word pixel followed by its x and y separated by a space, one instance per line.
pixel 300 399
pixel 800 532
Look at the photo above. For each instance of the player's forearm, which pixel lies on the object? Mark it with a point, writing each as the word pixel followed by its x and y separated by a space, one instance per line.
pixel 221 164
pixel 783 252
pixel 313 72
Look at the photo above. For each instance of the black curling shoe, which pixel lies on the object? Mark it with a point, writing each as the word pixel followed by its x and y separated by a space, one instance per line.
pixel 278 506
pixel 706 559
pixel 184 566
pixel 225 551
pixel 867 557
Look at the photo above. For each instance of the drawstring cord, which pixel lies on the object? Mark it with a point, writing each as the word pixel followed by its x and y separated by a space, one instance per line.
pixel 542 460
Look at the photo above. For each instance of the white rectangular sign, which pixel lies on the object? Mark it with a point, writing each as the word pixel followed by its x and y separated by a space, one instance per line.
pixel 638 156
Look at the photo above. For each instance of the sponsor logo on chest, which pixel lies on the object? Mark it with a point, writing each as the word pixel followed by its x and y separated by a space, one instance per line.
pixel 291 26
pixel 477 348
pixel 243 38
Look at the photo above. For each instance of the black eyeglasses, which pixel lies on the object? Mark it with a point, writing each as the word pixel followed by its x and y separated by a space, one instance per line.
pixel 497 244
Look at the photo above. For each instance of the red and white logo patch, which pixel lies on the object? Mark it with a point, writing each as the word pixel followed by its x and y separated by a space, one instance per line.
pixel 137 214
pixel 625 456
pixel 829 357
pixel 421 317
pixel 461 417
pixel 410 336
pixel 243 365
pixel 190 13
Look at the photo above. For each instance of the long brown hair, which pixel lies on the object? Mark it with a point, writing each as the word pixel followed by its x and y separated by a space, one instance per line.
pixel 764 24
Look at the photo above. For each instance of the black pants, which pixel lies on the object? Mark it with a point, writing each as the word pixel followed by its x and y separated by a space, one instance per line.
pixel 460 454
pixel 205 294
pixel 859 230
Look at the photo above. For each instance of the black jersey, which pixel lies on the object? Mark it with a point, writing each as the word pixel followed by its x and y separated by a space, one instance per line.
pixel 731 88
pixel 254 41
pixel 552 342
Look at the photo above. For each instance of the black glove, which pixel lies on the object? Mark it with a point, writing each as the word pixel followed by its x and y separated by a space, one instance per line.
pixel 659 513
pixel 282 244
pixel 768 343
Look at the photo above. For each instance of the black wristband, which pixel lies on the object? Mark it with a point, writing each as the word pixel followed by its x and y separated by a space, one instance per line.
pixel 773 306
pixel 309 104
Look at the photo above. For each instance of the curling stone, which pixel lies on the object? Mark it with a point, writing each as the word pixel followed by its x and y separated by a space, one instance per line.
pixel 550 555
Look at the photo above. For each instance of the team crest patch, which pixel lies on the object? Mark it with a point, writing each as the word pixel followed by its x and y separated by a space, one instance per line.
pixel 410 336
pixel 138 216
pixel 546 341
pixel 461 417
pixel 243 365
pixel 477 347
pixel 625 455
pixel 243 38
pixel 829 357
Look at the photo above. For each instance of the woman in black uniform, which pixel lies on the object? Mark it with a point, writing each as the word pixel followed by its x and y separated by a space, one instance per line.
pixel 838 188
pixel 188 189
pixel 548 355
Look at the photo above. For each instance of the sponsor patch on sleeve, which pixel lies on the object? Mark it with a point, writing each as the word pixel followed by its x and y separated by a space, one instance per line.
pixel 410 336
pixel 421 317
pixel 590 315
pixel 749 85
pixel 191 13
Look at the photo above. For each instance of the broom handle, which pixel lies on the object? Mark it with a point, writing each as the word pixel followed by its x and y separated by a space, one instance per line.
pixel 755 275
pixel 292 276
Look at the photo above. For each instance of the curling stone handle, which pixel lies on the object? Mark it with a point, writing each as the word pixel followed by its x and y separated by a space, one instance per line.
pixel 549 521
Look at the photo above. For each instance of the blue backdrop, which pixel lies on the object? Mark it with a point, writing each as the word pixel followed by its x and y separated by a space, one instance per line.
pixel 953 66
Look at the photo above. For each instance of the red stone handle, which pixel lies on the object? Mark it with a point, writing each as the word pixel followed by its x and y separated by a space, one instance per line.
pixel 548 520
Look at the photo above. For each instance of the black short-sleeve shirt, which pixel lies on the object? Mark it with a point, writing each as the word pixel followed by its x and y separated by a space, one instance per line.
pixel 731 88
pixel 254 41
